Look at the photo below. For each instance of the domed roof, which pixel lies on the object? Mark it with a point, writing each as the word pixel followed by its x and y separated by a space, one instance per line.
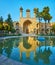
pixel 28 10
pixel 21 8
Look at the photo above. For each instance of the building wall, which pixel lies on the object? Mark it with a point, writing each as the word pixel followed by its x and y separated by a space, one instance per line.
pixel 32 26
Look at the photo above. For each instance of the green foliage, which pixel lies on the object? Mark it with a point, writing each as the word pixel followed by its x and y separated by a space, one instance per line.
pixel 13 30
pixel 43 14
pixel 38 14
pixel 1 26
pixel 1 20
pixel 25 43
pixel 46 15
pixel 53 28
pixel 46 9
pixel 1 23
pixel 5 27
pixel 49 17
pixel 9 22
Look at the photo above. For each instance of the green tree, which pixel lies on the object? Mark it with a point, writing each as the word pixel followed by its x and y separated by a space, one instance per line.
pixel 7 28
pixel 49 18
pixel 38 16
pixel 9 22
pixel 46 16
pixel 53 28
pixel 1 23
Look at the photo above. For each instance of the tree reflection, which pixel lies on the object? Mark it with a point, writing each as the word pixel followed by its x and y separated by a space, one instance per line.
pixel 21 57
pixel 36 58
pixel 8 45
pixel 25 43
pixel 53 40
pixel 44 55
pixel 16 42
pixel 1 46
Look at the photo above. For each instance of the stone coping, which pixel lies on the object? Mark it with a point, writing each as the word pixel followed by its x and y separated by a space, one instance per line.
pixel 6 61
pixel 8 37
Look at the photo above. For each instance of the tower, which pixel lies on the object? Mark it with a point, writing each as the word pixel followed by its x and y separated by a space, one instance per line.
pixel 27 13
pixel 21 12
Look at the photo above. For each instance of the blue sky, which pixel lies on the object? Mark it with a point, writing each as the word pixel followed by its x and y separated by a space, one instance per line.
pixel 12 7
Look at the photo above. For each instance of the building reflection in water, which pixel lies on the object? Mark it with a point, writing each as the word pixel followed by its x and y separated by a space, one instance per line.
pixel 28 45
pixel 28 48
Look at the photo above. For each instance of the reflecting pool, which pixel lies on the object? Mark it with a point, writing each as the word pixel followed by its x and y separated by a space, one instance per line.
pixel 29 50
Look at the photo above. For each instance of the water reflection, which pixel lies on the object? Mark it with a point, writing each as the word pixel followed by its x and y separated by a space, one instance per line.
pixel 29 50
pixel 43 55
pixel 1 46
pixel 7 45
pixel 27 45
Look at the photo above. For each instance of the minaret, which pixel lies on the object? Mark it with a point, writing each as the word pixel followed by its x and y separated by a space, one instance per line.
pixel 27 13
pixel 21 12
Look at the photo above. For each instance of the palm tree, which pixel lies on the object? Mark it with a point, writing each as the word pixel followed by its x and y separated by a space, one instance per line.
pixel 43 15
pixel 49 18
pixel 46 16
pixel 38 15
pixel 45 19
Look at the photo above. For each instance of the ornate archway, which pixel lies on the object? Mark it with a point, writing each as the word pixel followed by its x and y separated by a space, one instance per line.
pixel 25 26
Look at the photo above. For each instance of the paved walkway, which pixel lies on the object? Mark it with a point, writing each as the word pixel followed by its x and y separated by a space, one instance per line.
pixel 23 34
pixel 5 61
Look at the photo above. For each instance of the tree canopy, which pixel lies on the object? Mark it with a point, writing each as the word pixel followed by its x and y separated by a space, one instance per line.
pixel 1 23
pixel 9 21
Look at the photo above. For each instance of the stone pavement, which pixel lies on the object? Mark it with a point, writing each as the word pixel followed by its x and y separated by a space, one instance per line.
pixel 6 61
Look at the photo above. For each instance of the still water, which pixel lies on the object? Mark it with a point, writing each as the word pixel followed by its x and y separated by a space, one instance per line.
pixel 29 50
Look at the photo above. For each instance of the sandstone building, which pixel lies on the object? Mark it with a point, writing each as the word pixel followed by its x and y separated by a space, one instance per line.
pixel 28 24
